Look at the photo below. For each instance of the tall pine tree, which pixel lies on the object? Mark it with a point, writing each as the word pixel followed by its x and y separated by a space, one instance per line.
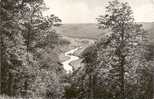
pixel 121 50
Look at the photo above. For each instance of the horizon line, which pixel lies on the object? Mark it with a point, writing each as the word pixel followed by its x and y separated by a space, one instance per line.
pixel 96 22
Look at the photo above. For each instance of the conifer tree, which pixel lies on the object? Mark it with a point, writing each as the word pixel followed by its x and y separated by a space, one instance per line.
pixel 121 50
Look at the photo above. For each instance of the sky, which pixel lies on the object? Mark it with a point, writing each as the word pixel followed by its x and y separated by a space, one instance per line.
pixel 86 11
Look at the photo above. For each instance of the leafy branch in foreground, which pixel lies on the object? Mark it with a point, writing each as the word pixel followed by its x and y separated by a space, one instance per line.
pixel 26 36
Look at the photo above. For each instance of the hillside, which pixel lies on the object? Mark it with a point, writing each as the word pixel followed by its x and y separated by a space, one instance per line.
pixel 91 31
pixel 149 26
pixel 88 31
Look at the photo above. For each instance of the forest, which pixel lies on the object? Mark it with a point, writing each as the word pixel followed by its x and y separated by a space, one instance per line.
pixel 116 65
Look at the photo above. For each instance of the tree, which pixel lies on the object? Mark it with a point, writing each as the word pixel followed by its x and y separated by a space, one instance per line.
pixel 121 49
pixel 89 56
pixel 25 36
pixel 40 39
pixel 12 50
pixel 83 80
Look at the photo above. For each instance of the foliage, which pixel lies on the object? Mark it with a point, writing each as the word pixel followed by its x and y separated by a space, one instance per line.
pixel 116 67
pixel 121 50
pixel 26 35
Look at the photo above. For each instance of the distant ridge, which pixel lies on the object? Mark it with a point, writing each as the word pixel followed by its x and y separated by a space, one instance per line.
pixel 91 31
pixel 87 30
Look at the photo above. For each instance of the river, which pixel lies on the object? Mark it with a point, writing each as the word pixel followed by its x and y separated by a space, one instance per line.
pixel 66 64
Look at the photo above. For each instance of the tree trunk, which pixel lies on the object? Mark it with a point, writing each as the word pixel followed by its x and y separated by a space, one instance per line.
pixel 28 49
pixel 122 63
pixel 10 85
pixel 1 57
pixel 91 91
pixel 122 84
pixel 153 86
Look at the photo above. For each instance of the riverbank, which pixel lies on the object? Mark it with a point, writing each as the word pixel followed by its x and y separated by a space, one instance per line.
pixel 74 43
pixel 76 47
pixel 66 64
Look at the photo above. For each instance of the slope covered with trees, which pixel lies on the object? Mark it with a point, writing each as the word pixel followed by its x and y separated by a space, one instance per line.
pixel 27 40
pixel 118 66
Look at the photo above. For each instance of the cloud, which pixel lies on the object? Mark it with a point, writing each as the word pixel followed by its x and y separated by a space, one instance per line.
pixel 72 12
pixel 86 11
pixel 144 13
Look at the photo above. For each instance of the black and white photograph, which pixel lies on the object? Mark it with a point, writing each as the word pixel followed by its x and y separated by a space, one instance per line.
pixel 76 49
